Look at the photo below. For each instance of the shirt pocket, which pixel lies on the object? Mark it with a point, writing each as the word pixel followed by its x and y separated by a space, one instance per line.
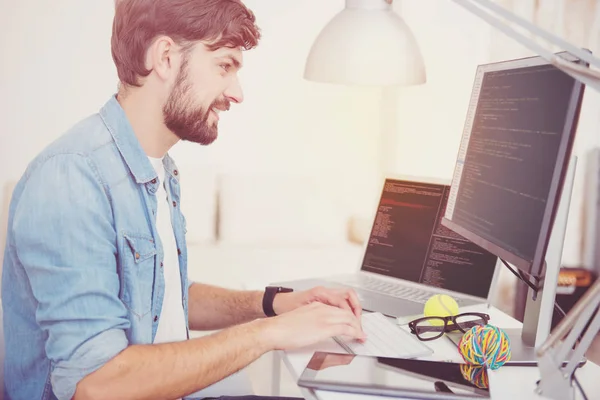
pixel 138 257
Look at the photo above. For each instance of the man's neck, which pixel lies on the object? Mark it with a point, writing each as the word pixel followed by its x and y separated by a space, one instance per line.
pixel 144 113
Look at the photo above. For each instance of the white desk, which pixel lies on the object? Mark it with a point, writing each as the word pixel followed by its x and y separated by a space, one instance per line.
pixel 506 383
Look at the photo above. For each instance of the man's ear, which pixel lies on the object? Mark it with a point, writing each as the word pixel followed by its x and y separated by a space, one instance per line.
pixel 163 58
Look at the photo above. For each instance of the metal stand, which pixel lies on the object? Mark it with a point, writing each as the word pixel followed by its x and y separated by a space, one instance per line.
pixel 539 308
pixel 569 341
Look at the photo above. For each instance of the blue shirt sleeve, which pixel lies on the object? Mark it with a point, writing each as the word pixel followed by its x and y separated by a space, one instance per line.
pixel 66 240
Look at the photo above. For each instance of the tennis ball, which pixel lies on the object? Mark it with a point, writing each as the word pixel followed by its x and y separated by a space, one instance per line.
pixel 440 305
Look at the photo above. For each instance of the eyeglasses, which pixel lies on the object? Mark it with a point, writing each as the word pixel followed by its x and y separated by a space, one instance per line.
pixel 429 328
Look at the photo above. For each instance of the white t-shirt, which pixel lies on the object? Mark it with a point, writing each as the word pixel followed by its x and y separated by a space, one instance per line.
pixel 171 325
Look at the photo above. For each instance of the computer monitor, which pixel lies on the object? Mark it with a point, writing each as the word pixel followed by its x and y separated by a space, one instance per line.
pixel 408 242
pixel 510 174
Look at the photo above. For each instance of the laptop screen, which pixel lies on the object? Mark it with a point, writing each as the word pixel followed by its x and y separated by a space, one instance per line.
pixel 409 242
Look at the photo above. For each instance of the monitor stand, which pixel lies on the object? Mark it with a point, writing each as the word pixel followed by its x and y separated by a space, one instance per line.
pixel 540 309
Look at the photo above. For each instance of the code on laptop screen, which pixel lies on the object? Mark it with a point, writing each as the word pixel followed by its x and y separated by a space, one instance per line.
pixel 409 242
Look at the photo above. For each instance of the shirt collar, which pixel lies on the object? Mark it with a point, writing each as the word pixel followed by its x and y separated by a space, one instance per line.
pixel 137 161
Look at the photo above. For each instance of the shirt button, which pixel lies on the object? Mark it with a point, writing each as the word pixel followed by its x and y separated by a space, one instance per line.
pixel 154 181
pixel 179 251
pixel 176 172
pixel 137 256
pixel 161 264
pixel 155 318
pixel 174 204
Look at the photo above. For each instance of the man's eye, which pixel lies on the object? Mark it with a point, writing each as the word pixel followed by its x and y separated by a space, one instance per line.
pixel 226 67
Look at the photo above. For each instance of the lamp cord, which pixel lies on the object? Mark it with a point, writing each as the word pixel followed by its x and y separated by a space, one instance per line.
pixel 579 387
pixel 519 275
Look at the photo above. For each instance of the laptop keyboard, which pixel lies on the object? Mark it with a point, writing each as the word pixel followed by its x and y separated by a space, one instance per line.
pixel 384 339
pixel 396 290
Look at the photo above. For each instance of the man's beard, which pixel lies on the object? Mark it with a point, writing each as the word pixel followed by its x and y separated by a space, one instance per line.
pixel 186 120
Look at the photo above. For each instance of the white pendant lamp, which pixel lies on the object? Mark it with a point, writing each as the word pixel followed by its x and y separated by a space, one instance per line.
pixel 367 43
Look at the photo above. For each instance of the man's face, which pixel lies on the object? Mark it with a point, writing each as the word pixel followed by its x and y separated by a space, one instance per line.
pixel 207 84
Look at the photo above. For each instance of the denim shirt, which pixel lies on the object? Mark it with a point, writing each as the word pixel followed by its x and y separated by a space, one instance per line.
pixel 82 277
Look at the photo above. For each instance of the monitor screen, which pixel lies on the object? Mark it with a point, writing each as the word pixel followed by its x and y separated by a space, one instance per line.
pixel 512 159
pixel 409 242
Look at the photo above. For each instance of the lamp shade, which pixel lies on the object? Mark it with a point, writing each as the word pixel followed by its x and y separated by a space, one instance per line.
pixel 367 43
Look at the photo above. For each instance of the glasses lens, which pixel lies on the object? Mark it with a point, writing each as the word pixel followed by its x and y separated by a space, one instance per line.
pixel 430 328
pixel 466 322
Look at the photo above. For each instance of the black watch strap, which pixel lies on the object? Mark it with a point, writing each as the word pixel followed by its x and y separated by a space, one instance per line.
pixel 269 296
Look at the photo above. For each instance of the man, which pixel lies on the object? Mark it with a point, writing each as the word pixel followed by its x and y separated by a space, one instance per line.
pixel 95 292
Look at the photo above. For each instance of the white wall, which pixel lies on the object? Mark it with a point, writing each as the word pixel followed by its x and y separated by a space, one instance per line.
pixel 56 69
pixel 429 118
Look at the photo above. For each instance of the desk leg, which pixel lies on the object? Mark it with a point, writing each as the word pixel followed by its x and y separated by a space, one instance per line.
pixel 276 374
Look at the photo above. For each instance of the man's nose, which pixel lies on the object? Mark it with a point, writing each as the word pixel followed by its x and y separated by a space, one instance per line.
pixel 234 92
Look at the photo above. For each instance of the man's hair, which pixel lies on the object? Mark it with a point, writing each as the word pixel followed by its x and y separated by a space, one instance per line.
pixel 222 23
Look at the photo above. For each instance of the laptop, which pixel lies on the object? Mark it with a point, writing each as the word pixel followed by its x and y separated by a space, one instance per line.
pixel 409 256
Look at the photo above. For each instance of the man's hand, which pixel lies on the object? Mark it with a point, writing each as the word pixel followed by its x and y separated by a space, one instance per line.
pixel 342 298
pixel 310 324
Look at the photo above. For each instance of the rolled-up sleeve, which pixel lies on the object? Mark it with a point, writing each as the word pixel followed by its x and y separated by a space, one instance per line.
pixel 66 240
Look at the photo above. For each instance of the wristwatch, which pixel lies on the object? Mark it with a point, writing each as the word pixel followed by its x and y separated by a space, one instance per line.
pixel 269 297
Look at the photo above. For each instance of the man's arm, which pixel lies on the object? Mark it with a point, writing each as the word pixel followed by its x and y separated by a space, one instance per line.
pixel 173 370
pixel 64 236
pixel 212 308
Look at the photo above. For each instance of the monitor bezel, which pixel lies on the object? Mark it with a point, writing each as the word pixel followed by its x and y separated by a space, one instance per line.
pixel 535 267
